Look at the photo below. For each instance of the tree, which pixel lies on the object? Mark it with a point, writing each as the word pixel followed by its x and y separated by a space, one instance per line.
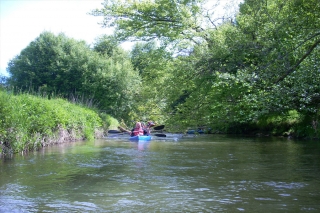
pixel 50 63
pixel 152 63
pixel 105 45
pixel 182 23
pixel 150 19
pixel 284 33
pixel 66 67
pixel 286 36
pixel 260 65
pixel 235 71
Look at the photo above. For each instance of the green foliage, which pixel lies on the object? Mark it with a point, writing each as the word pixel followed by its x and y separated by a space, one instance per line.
pixel 152 63
pixel 69 68
pixel 308 127
pixel 258 69
pixel 279 124
pixel 106 45
pixel 108 121
pixel 167 20
pixel 29 122
pixel 274 30
pixel 257 72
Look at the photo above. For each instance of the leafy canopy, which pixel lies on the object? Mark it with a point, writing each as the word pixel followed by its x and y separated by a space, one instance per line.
pixel 167 20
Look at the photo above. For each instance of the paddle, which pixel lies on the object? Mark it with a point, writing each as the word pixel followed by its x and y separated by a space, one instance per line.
pixel 161 135
pixel 158 127
pixel 114 131
pixel 123 129
pixel 119 132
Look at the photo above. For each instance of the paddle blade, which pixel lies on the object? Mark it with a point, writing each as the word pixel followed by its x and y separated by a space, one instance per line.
pixel 114 131
pixel 158 127
pixel 161 135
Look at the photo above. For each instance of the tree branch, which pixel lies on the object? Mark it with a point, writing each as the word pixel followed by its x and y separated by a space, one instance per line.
pixel 299 62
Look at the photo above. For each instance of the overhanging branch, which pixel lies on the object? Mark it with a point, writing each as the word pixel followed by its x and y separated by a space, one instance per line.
pixel 299 62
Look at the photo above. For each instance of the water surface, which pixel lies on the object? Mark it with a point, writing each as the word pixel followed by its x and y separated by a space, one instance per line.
pixel 194 174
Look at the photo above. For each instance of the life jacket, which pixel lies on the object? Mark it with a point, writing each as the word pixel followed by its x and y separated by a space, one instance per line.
pixel 137 130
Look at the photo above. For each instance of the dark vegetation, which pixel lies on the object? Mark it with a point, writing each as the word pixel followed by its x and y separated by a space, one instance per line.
pixel 253 72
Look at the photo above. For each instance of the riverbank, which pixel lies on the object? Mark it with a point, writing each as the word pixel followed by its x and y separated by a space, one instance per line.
pixel 29 122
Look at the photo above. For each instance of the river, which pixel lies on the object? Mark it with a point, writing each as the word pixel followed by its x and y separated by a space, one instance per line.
pixel 215 173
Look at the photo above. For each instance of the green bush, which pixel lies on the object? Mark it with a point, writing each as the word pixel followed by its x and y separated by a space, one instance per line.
pixel 309 127
pixel 279 124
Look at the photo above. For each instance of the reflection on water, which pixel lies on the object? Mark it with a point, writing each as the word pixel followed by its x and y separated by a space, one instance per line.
pixel 173 174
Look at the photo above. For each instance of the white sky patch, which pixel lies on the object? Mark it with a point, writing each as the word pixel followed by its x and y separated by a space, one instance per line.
pixel 22 21
pixel 221 9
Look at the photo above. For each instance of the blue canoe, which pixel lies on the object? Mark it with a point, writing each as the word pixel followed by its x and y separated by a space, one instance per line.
pixel 140 138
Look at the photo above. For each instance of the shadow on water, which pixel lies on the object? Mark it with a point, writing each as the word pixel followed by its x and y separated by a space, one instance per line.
pixel 216 173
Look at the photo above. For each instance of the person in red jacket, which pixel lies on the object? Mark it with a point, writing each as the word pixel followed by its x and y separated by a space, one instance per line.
pixel 138 130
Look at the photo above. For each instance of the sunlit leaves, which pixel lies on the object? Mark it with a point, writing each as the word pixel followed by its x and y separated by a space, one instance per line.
pixel 152 63
pixel 145 20
pixel 264 64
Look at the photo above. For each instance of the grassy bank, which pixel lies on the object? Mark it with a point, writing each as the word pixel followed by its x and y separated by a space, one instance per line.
pixel 29 122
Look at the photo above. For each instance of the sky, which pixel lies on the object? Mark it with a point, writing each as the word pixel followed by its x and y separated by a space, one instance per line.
pixel 22 21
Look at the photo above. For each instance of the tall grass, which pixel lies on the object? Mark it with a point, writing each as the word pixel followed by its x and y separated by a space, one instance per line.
pixel 29 122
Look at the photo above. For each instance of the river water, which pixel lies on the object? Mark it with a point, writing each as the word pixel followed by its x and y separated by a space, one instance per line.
pixel 191 174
